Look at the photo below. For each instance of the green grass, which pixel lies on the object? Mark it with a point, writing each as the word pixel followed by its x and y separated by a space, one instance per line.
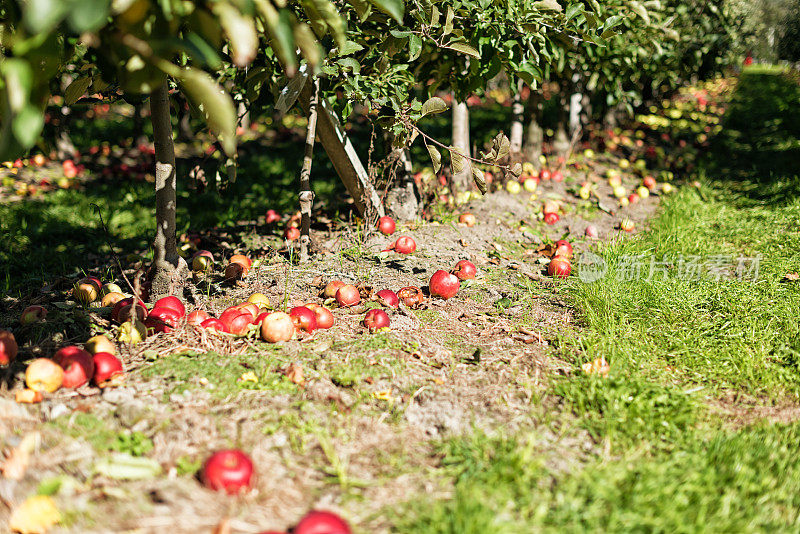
pixel 640 451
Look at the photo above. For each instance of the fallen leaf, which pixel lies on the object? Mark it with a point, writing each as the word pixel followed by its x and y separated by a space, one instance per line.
pixel 599 366
pixel 385 394
pixel 126 467
pixel 294 372
pixel 791 277
pixel 16 464
pixel 34 516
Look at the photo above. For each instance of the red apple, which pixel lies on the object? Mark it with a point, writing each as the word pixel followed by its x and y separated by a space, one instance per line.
pixel 197 317
pixel 8 347
pixel 273 216
pixel 467 219
pixel 303 318
pixel 44 375
pixel 162 320
pixel 411 296
pixel 228 470
pixel 277 326
pixel 557 176
pixel 591 231
pixel 202 261
pixel 627 225
pixel 108 370
pixel 405 245
pixel 559 267
pixel 544 174
pixel 126 312
pixel 321 522
pixel 649 182
pixel 236 321
pixel 291 233
pixel 465 270
pixel 388 298
pixel 323 315
pixel 551 218
pixel 633 198
pixel 376 318
pixel 386 225
pixel 78 366
pixel 33 314
pixel 444 284
pixel 348 295
pixel 214 324
pixel 563 249
pixel 173 303
pixel 331 289
pixel 261 317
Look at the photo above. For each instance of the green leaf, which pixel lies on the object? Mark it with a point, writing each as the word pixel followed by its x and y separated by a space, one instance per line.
pixel 279 28
pixel 548 5
pixel 436 157
pixel 480 181
pixel 88 15
pixel 502 144
pixel 214 102
pixel 307 42
pixel 76 89
pixel 414 47
pixel 42 15
pixel 123 466
pixel 350 47
pixel 27 125
pixel 350 63
pixel 640 10
pixel 241 32
pixel 362 7
pixel 18 77
pixel 457 161
pixel 432 106
pixel 464 48
pixel 393 8
pixel 448 21
pixel 435 16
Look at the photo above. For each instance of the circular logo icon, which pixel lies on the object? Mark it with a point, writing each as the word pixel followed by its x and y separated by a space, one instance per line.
pixel 591 267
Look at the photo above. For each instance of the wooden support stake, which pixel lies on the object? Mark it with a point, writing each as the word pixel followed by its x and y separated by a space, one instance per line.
pixel 306 194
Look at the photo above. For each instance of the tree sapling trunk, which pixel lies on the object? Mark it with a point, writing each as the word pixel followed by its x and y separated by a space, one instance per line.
pixel 169 270
pixel 517 114
pixel 306 194
pixel 462 180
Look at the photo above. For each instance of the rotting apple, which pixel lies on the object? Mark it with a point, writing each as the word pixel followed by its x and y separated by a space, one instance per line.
pixel 110 287
pixel 229 470
pixel 627 225
pixel 405 245
pixel 162 320
pixel 126 312
pixel 242 260
pixel 44 375
pixel 132 332
pixel 550 206
pixel 110 299
pixel 108 370
pixel 276 327
pixel 260 300
pixel 99 343
pixel 551 218
pixel 85 291
pixel 202 261
pixel 465 270
pixel 563 249
pixel 32 314
pixel 376 318
pixel 77 364
pixel 649 182
pixel 234 271
pixel 444 284
pixel 559 267
pixel 171 302
pixel 304 319
pixel 321 522
pixel 467 219
pixel 348 295
pixel 323 315
pixel 197 317
pixel 28 396
pixel 387 298
pixel 8 347
pixel 331 288
pixel 214 324
pixel 411 296
pixel 386 225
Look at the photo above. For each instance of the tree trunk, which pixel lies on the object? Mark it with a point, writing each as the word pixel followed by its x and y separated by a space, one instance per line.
pixel 402 200
pixel 169 270
pixel 185 132
pixel 306 194
pixel 462 180
pixel 561 139
pixel 517 111
pixel 534 139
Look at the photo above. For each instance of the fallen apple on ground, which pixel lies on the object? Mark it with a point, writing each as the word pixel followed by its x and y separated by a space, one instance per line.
pixel 291 233
pixel 348 295
pixel 321 522
pixel 228 470
pixel 563 249
pixel 260 300
pixel 110 299
pixel 99 343
pixel 277 327
pixel 467 219
pixel 405 245
pixel 411 296
pixel 387 298
pixel 44 375
pixel 272 216
pixel 376 318
pixel 386 225
pixel 331 288
pixel 304 319
pixel 214 324
pixel 197 317
pixel 559 267
pixel 444 284
pixel 132 332
pixel 108 370
pixel 465 270
pixel 202 261
pixel 551 218
pixel 32 314
pixel 323 315
pixel 8 347
pixel 171 302
pixel 78 366
pixel 85 291
pixel 591 231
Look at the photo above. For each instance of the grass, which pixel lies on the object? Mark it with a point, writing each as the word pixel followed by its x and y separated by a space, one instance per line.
pixel 658 459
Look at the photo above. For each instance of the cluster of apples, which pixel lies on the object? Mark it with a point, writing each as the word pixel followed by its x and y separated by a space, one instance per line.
pixel 232 471
pixel 403 244
pixel 70 367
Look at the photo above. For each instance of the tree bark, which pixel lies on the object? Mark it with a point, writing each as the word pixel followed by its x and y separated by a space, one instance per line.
pixel 561 140
pixel 169 270
pixel 517 111
pixel 306 194
pixel 402 200
pixel 462 180
pixel 534 138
